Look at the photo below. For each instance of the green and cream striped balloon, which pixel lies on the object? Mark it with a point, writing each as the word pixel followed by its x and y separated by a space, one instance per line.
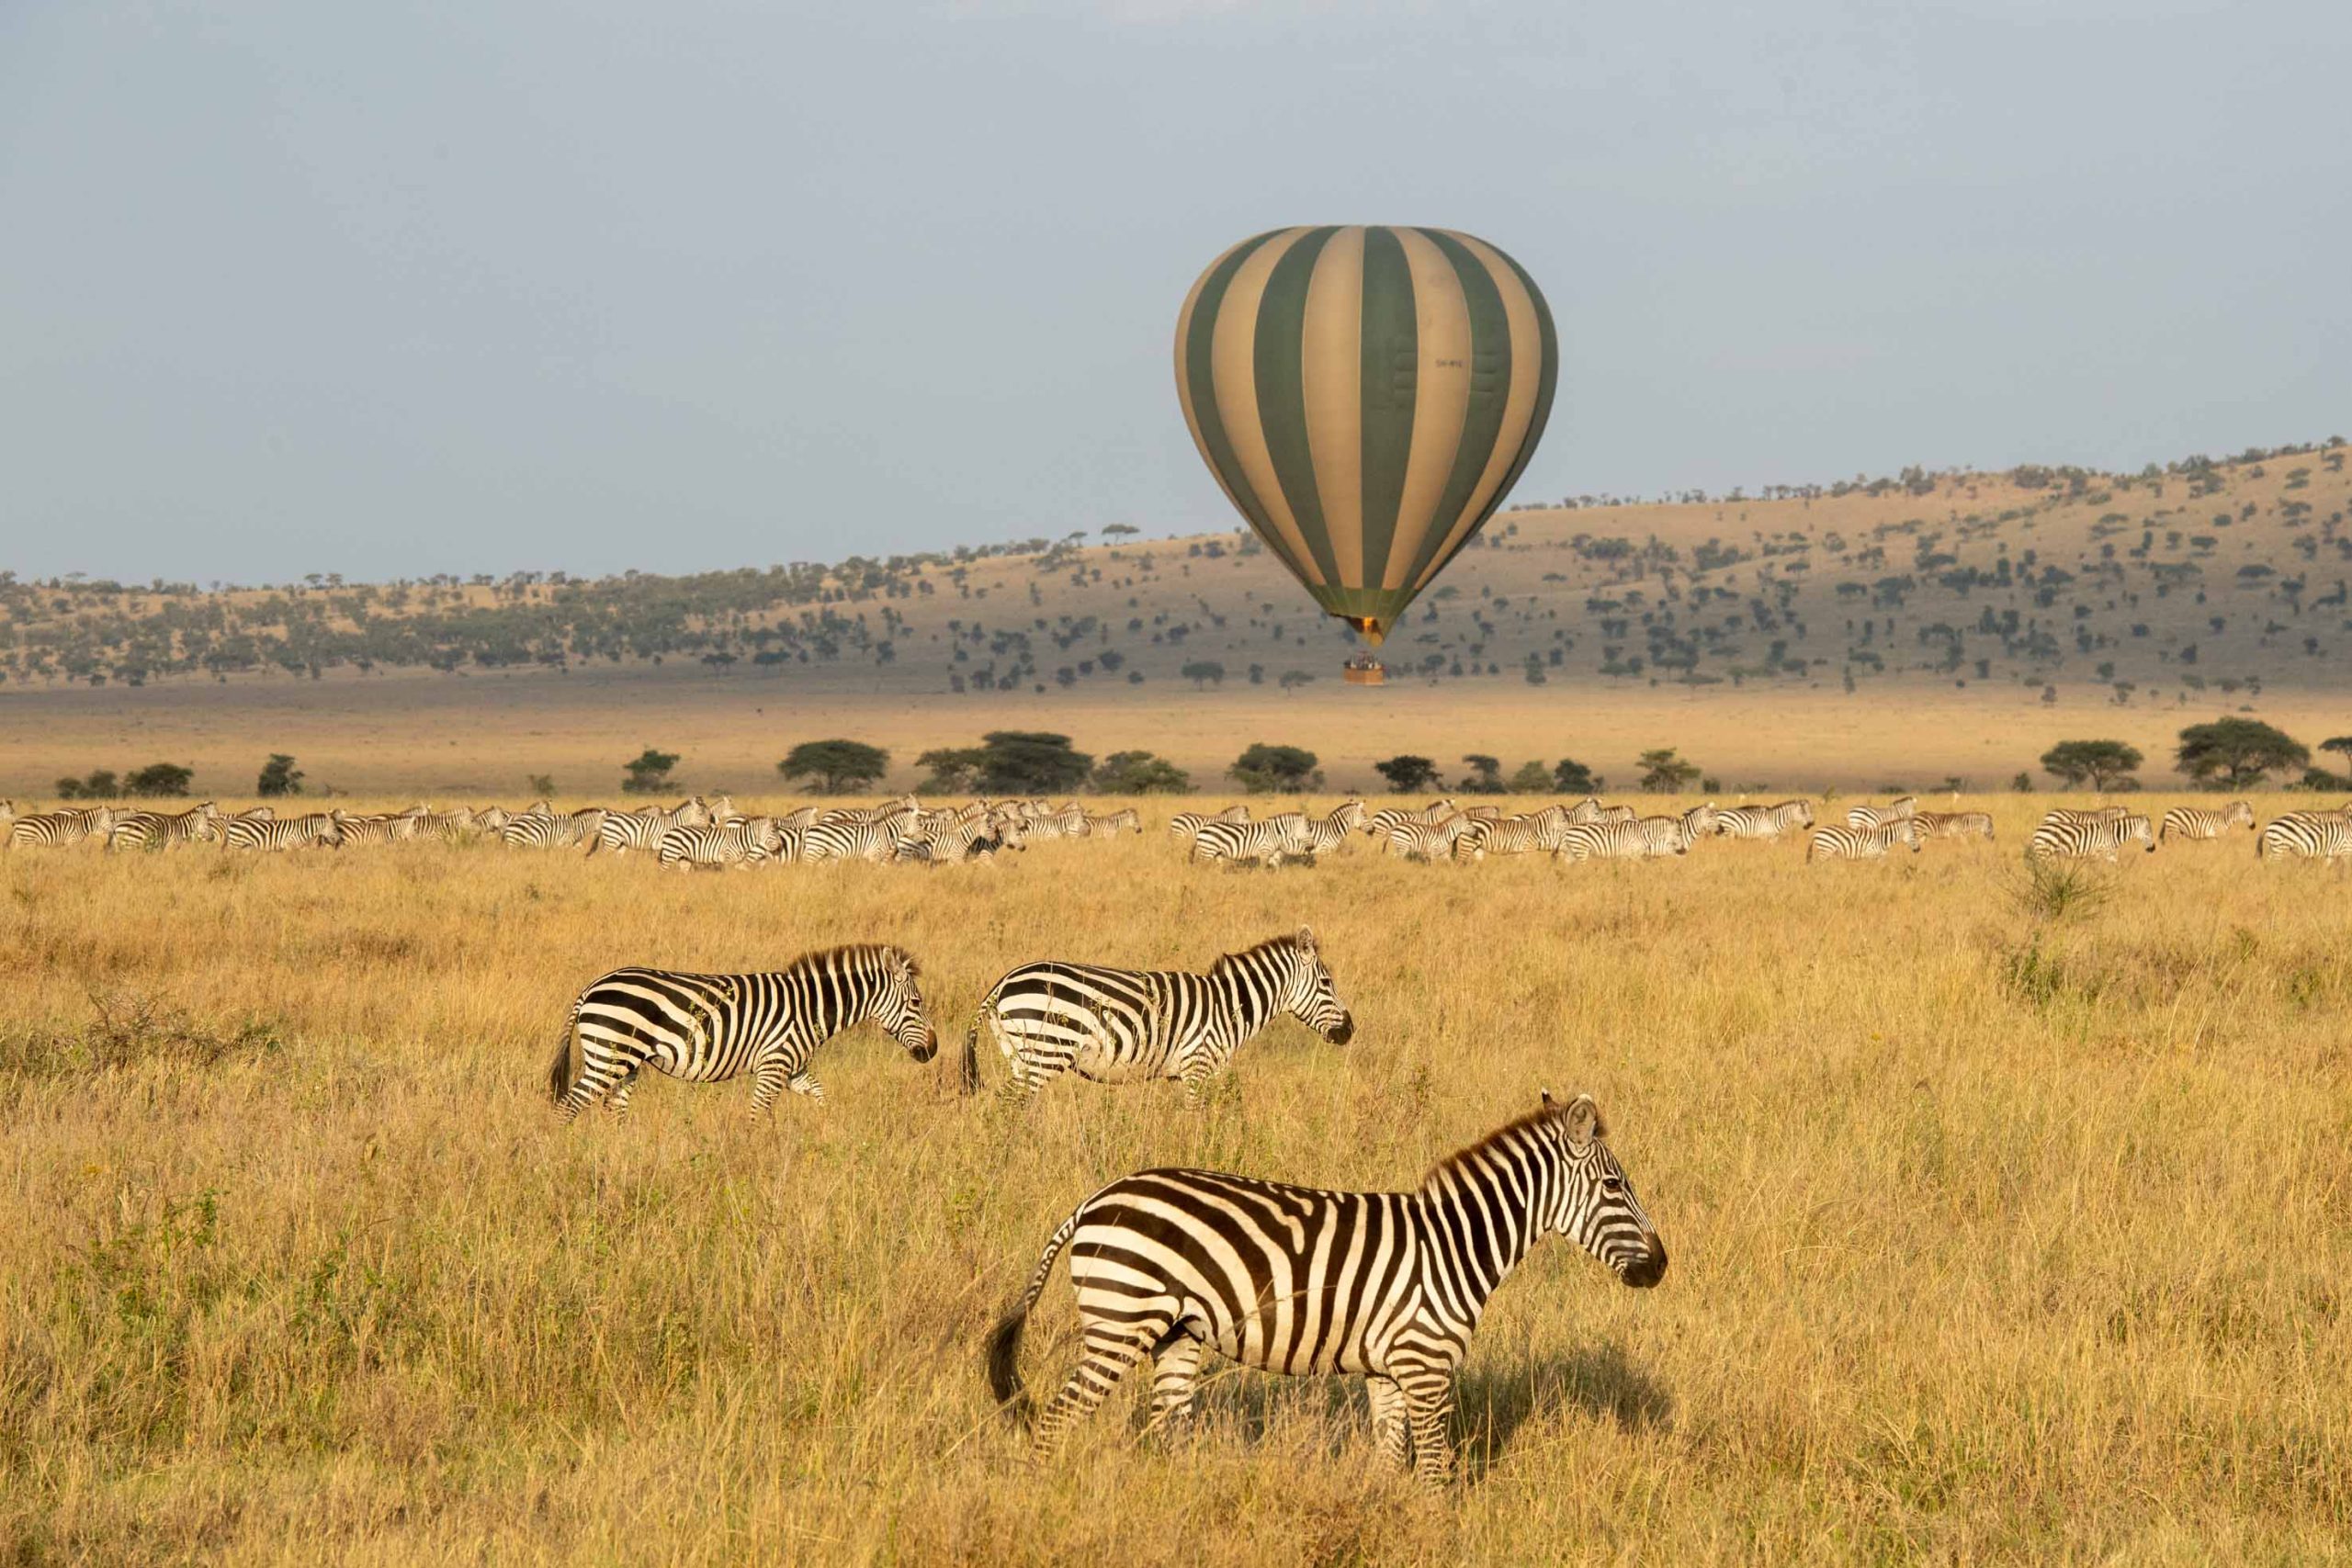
pixel 1366 396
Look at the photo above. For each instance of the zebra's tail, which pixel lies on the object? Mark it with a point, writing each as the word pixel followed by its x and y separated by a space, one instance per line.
pixel 560 1070
pixel 1005 1340
pixel 971 1074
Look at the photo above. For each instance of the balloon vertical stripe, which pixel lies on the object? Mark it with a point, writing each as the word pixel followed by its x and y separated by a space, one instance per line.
pixel 1366 397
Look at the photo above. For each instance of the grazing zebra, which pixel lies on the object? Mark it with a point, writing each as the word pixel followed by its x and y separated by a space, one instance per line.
pixel 1956 824
pixel 1118 1025
pixel 1267 843
pixel 1834 842
pixel 1412 839
pixel 1873 816
pixel 745 842
pixel 708 1028
pixel 1764 821
pixel 271 835
pixel 2063 838
pixel 1605 841
pixel 161 830
pixel 2306 835
pixel 1166 1264
pixel 52 829
pixel 2201 822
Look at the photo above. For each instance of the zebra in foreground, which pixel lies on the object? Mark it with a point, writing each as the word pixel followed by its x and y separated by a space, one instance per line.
pixel 1390 1286
pixel 1267 843
pixel 2306 835
pixel 1834 842
pixel 1957 825
pixel 1119 1025
pixel 1764 821
pixel 710 1028
pixel 273 834
pixel 2058 838
pixel 2204 822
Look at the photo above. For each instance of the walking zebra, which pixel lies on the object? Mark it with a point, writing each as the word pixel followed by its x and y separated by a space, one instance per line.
pixel 53 829
pixel 1108 826
pixel 1956 824
pixel 161 830
pixel 1603 840
pixel 271 835
pixel 1874 816
pixel 708 1028
pixel 744 842
pixel 1378 825
pixel 2306 835
pixel 1764 821
pixel 2064 838
pixel 1412 839
pixel 1390 1286
pixel 2203 822
pixel 546 830
pixel 1670 835
pixel 960 838
pixel 2104 814
pixel 1834 842
pixel 1119 1025
pixel 1266 843
pixel 622 831
pixel 871 841
pixel 1185 824
pixel 1532 833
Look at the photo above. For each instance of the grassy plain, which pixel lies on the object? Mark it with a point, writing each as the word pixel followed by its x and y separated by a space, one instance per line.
pixel 1995 1236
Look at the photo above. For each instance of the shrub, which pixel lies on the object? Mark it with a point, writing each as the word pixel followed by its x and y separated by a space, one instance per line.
pixel 1533 778
pixel 159 781
pixel 280 776
pixel 1276 770
pixel 1141 772
pixel 1485 777
pixel 1025 762
pixel 649 774
pixel 1409 775
pixel 1663 773
pixel 1572 777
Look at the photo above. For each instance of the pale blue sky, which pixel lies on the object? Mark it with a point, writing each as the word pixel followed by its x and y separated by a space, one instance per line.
pixel 401 288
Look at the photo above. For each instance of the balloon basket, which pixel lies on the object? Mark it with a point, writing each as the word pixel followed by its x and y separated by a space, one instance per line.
pixel 1372 674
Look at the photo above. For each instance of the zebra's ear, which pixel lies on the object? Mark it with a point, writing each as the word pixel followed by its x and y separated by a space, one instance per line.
pixel 1584 1119
pixel 1306 939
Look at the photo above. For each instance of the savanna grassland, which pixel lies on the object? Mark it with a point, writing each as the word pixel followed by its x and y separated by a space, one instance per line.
pixel 1997 1232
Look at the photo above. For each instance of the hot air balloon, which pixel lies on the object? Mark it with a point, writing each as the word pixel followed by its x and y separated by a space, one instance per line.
pixel 1366 396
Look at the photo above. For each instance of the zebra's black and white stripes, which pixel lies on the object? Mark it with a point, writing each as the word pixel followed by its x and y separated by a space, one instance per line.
pixel 2306 835
pixel 1834 842
pixel 1169 1264
pixel 710 1028
pixel 1119 1025
pixel 2074 836
pixel 2204 822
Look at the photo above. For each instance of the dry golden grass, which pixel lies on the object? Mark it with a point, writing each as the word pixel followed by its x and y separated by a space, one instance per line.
pixel 1992 1238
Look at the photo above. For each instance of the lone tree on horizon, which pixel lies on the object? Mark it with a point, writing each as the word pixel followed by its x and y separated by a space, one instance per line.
pixel 2102 764
pixel 2237 753
pixel 836 765
pixel 649 774
pixel 1663 773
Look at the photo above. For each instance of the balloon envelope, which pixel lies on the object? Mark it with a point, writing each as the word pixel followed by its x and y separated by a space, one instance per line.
pixel 1366 396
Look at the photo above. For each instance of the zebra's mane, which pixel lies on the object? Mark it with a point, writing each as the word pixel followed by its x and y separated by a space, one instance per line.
pixel 1534 1118
pixel 1287 939
pixel 858 955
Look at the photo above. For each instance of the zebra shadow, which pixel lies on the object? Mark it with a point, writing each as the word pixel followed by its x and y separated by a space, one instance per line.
pixel 1491 1403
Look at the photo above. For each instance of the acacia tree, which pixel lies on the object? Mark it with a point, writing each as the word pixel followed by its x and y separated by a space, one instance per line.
pixel 1203 673
pixel 2102 764
pixel 1572 777
pixel 1140 772
pixel 836 765
pixel 2341 745
pixel 649 774
pixel 1485 777
pixel 279 776
pixel 2236 753
pixel 1276 770
pixel 1407 774
pixel 1663 773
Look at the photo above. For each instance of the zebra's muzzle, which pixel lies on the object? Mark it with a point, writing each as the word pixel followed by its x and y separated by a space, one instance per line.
pixel 1648 1268
pixel 923 1047
pixel 1342 1031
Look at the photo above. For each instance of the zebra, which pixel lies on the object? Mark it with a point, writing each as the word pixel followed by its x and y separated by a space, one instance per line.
pixel 1873 816
pixel 2203 822
pixel 398 829
pixel 1109 824
pixel 2306 835
pixel 622 831
pixel 1535 832
pixel 1670 835
pixel 1764 821
pixel 2104 814
pixel 877 839
pixel 1378 825
pixel 1956 824
pixel 1185 824
pixel 1118 1025
pixel 1834 842
pixel 2060 839
pixel 448 826
pixel 161 830
pixel 273 834
pixel 1266 843
pixel 1432 842
pixel 710 1028
pixel 1069 822
pixel 960 838
pixel 1332 830
pixel 70 824
pixel 1389 1286
pixel 1604 840
pixel 546 830
pixel 746 841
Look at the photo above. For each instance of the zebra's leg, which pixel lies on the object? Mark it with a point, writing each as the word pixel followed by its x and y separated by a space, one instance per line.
pixel 1175 1377
pixel 802 1083
pixel 1428 1400
pixel 601 1069
pixel 767 1082
pixel 1389 1427
pixel 616 1098
pixel 1112 1350
pixel 1197 1074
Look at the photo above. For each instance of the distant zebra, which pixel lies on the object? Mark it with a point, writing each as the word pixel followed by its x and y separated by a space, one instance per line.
pixel 1536 833
pixel 1957 824
pixel 1603 840
pixel 447 826
pixel 1166 1264
pixel 1873 816
pixel 622 831
pixel 2103 814
pixel 381 829
pixel 2306 835
pixel 162 830
pixel 544 830
pixel 2203 822
pixel 273 835
pixel 873 840
pixel 710 1028
pixel 745 842
pixel 1834 842
pixel 1119 1025
pixel 1249 844
pixel 1109 824
pixel 54 829
pixel 1381 823
pixel 960 838
pixel 2060 837
pixel 1764 821
pixel 1184 824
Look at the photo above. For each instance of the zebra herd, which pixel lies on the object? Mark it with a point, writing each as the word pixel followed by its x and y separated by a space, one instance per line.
pixel 1169 1263
pixel 697 832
